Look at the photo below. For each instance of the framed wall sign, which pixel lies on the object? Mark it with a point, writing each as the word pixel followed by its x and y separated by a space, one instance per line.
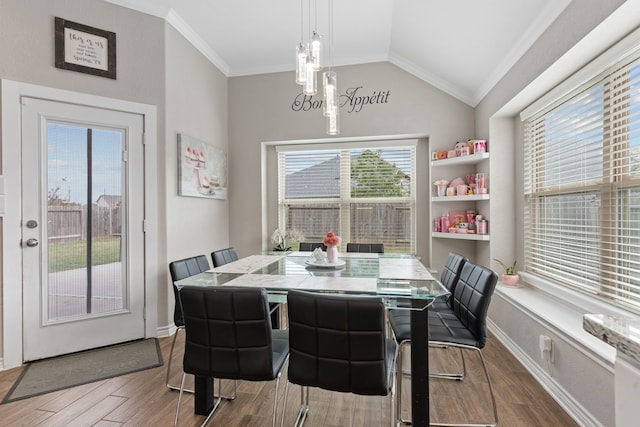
pixel 85 49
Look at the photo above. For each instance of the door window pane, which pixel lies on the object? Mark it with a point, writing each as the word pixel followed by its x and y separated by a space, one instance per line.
pixel 84 221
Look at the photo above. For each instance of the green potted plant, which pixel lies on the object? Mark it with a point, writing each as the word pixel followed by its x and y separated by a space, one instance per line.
pixel 509 277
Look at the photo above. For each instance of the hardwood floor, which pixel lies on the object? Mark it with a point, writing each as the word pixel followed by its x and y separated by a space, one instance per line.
pixel 141 399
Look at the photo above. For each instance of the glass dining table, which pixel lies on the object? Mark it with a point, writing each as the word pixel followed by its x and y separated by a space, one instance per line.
pixel 401 280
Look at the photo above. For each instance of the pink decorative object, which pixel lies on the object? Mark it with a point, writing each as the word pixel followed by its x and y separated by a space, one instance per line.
pixel 459 147
pixel 332 254
pixel 479 146
pixel 510 279
pixel 456 181
pixel 462 190
pixel 481 183
pixel 482 226
pixel 331 241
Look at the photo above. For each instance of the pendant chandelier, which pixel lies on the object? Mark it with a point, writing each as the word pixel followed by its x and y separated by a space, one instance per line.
pixel 309 62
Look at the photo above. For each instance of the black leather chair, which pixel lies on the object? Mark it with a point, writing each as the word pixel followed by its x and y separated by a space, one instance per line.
pixel 401 319
pixel 463 325
pixel 448 277
pixel 339 343
pixel 229 335
pixel 224 256
pixel 311 246
pixel 227 255
pixel 374 248
pixel 179 270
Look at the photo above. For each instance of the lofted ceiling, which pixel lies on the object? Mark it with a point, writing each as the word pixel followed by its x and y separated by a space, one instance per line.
pixel 463 47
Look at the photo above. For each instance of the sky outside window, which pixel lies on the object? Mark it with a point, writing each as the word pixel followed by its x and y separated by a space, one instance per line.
pixel 67 162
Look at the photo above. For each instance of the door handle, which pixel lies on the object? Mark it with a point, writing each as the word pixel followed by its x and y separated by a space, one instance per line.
pixel 32 242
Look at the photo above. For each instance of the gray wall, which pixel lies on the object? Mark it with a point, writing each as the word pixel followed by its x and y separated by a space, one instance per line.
pixel 196 105
pixel 27 48
pixel 588 380
pixel 155 65
pixel 261 110
pixel 27 55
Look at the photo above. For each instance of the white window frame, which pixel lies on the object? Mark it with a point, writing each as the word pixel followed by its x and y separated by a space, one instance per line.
pixel 345 201
pixel 612 181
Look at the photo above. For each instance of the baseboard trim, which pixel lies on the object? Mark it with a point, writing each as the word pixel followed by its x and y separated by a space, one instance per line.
pixel 572 407
pixel 166 331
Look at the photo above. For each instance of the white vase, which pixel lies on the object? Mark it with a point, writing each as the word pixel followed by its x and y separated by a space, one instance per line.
pixel 332 254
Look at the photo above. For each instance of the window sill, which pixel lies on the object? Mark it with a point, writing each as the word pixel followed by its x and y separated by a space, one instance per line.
pixel 562 311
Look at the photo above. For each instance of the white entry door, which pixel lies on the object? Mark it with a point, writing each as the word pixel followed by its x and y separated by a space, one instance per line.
pixel 82 227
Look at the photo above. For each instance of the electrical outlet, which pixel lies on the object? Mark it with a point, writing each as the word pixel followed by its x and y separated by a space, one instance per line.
pixel 546 348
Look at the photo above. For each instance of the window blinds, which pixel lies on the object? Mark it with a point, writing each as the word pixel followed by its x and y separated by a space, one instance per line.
pixel 582 187
pixel 365 195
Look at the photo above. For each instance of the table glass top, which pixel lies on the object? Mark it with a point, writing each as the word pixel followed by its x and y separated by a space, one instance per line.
pixel 400 279
pixel 296 265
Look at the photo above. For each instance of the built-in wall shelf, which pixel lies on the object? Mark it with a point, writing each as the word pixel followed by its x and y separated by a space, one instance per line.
pixel 467 198
pixel 460 236
pixel 439 205
pixel 461 160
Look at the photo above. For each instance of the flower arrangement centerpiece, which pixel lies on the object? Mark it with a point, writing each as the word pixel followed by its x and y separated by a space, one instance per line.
pixel 282 238
pixel 331 241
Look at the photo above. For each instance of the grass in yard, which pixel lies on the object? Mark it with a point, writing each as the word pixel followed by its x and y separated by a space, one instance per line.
pixel 71 255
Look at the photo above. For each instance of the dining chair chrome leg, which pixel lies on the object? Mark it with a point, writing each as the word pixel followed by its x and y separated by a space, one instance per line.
pixel 284 403
pixel 491 394
pixel 275 403
pixel 304 407
pixel 393 417
pixel 399 375
pixel 173 345
pixel 175 420
pixel 445 375
pixel 206 420
pixel 186 390
pixel 452 376
pixel 225 397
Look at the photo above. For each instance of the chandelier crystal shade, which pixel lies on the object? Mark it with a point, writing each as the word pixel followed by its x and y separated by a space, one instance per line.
pixel 309 62
pixel 330 85
pixel 316 50
pixel 301 63
pixel 309 86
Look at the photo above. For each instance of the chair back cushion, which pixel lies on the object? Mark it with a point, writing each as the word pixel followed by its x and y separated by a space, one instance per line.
pixel 449 277
pixel 471 299
pixel 224 256
pixel 228 333
pixel 451 270
pixel 311 246
pixel 182 269
pixel 339 343
pixel 376 248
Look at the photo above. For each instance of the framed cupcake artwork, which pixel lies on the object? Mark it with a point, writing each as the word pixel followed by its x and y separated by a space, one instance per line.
pixel 202 169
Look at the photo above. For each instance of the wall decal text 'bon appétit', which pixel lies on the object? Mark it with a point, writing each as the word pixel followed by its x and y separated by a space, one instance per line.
pixel 351 99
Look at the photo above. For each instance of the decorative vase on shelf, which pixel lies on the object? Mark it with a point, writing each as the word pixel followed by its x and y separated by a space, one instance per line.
pixel 332 254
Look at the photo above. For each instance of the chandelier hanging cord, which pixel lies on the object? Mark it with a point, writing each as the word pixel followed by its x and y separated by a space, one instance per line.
pixel 330 35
